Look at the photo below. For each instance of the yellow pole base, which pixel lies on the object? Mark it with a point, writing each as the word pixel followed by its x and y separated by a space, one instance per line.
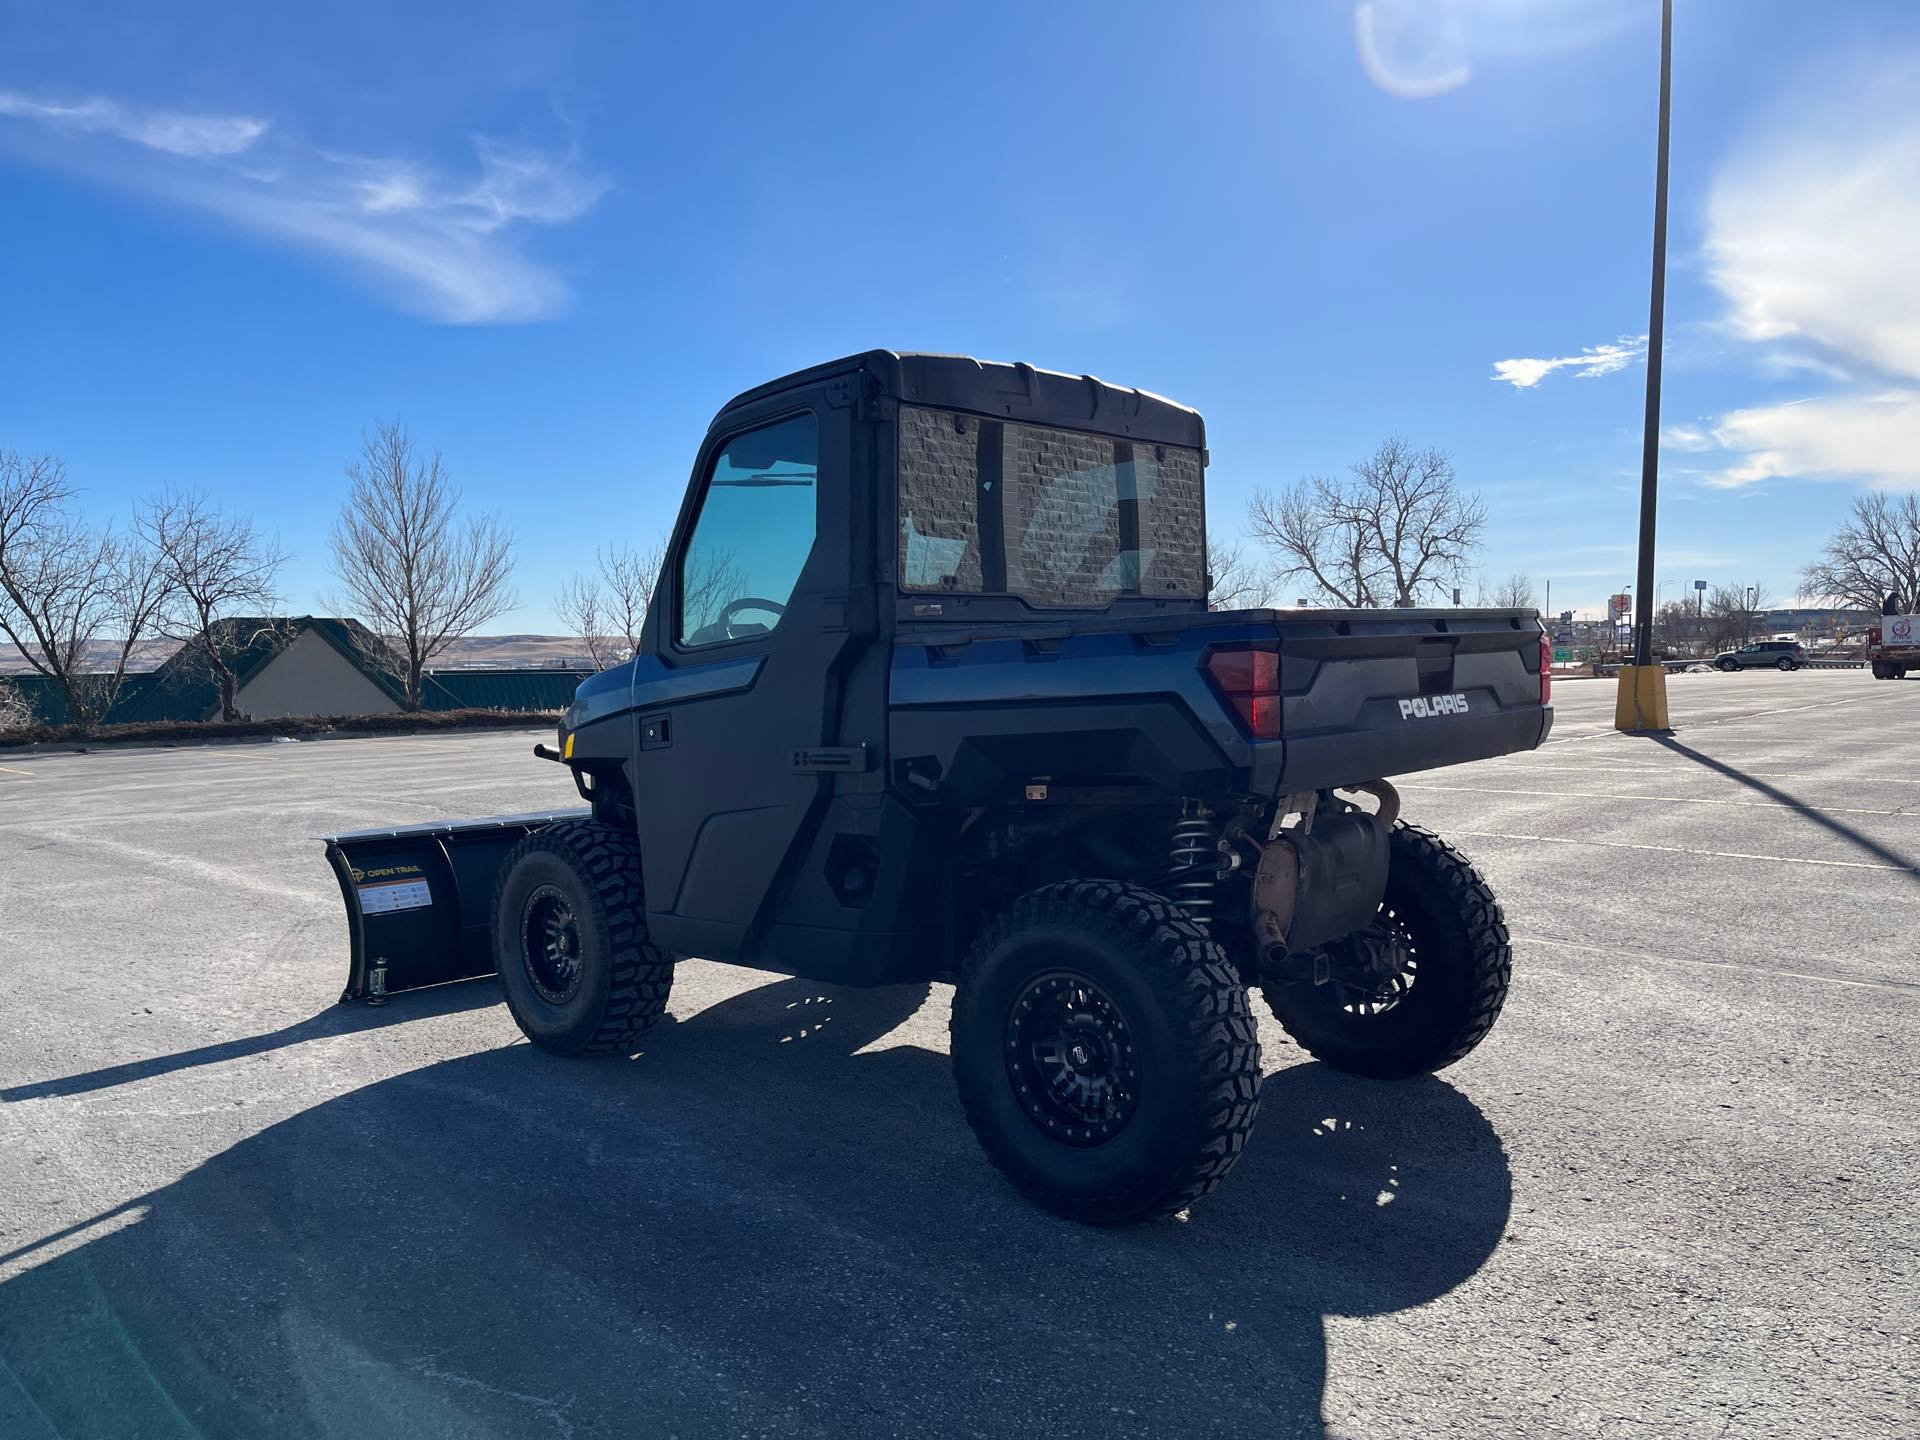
pixel 1642 701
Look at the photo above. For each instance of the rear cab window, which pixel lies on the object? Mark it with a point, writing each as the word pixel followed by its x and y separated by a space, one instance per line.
pixel 1056 517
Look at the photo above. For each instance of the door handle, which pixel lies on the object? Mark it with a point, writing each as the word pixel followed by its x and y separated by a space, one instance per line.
pixel 833 760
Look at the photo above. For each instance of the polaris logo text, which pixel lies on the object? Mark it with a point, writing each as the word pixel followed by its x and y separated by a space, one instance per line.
pixel 1425 707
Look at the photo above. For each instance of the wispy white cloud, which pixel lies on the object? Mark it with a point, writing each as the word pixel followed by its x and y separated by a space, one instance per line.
pixel 1593 360
pixel 1690 438
pixel 1874 439
pixel 194 136
pixel 1810 239
pixel 1813 242
pixel 433 242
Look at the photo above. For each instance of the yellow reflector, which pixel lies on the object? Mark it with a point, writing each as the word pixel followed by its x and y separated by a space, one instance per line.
pixel 569 747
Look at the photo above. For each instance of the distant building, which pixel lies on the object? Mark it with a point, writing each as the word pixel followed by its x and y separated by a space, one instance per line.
pixel 1807 623
pixel 305 665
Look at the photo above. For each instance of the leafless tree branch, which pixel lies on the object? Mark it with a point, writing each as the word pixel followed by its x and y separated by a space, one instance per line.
pixel 606 609
pixel 65 586
pixel 1237 582
pixel 219 572
pixel 15 712
pixel 411 572
pixel 1733 614
pixel 1398 531
pixel 1875 553
pixel 1513 593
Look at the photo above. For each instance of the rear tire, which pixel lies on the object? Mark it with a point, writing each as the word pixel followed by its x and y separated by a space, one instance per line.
pixel 570 940
pixel 1786 662
pixel 1452 929
pixel 1104 1052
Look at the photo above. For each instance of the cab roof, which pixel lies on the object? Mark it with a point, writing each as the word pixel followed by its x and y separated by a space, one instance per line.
pixel 1012 391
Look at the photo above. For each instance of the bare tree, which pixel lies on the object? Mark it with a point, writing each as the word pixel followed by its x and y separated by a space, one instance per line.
pixel 1513 593
pixel 1235 582
pixel 1676 628
pixel 412 571
pixel 1875 553
pixel 1733 613
pixel 606 609
pixel 67 589
pixel 1399 530
pixel 219 572
pixel 16 713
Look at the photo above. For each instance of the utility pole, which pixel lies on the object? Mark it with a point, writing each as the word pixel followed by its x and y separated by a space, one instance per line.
pixel 1642 703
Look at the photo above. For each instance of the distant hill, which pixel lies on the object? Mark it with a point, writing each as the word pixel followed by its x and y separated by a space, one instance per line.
pixel 476 652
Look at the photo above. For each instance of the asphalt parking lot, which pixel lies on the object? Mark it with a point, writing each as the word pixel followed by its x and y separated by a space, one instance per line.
pixel 1672 1194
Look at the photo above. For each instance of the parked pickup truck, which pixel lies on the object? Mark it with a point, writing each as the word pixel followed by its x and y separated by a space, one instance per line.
pixel 930 690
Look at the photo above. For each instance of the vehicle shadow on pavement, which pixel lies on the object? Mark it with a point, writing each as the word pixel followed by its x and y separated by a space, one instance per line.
pixel 756 1225
pixel 1884 854
pixel 334 1020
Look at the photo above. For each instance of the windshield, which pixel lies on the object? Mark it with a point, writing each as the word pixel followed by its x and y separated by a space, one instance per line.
pixel 1056 517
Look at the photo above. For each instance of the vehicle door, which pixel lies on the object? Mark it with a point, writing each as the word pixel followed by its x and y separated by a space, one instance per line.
pixel 739 699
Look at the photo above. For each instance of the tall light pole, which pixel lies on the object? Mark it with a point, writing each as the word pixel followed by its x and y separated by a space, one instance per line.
pixel 1643 698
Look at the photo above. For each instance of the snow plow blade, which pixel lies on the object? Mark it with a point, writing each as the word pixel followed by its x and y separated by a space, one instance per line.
pixel 420 899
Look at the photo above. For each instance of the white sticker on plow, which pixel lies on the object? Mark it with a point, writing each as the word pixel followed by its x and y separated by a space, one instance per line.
pixel 389 895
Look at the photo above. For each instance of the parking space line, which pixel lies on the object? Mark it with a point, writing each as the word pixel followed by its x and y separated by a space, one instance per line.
pixel 1688 850
pixel 1686 724
pixel 1619 950
pixel 1661 799
pixel 9 770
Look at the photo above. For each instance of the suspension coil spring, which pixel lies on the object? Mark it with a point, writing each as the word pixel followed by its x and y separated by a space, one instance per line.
pixel 1195 843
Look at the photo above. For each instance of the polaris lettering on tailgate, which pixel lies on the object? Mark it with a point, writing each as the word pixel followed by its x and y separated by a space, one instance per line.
pixel 1426 707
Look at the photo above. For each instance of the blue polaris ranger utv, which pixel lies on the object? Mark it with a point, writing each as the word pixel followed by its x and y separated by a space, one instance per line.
pixel 929 689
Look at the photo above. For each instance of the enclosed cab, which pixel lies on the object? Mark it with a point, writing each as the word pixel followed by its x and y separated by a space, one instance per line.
pixel 929 689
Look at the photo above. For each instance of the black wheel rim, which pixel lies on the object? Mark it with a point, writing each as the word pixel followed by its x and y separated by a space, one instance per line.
pixel 550 944
pixel 1071 1059
pixel 1383 966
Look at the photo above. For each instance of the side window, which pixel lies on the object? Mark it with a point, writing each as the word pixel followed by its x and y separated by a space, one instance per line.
pixel 753 534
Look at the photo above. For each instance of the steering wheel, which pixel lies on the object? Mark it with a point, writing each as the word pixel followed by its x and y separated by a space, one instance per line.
pixel 747 602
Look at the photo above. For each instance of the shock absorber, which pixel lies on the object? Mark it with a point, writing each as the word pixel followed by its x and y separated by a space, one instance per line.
pixel 1195 844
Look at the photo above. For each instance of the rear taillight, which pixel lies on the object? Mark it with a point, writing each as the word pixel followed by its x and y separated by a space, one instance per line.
pixel 1546 668
pixel 1248 680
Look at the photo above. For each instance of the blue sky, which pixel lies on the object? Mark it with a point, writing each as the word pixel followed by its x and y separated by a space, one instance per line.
pixel 554 238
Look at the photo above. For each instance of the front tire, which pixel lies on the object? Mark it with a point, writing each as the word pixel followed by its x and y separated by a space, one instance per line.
pixel 570 940
pixel 1450 962
pixel 1729 666
pixel 1104 1052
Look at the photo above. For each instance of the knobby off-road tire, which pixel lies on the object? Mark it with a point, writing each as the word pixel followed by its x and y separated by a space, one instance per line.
pixel 570 940
pixel 1131 980
pixel 1463 960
